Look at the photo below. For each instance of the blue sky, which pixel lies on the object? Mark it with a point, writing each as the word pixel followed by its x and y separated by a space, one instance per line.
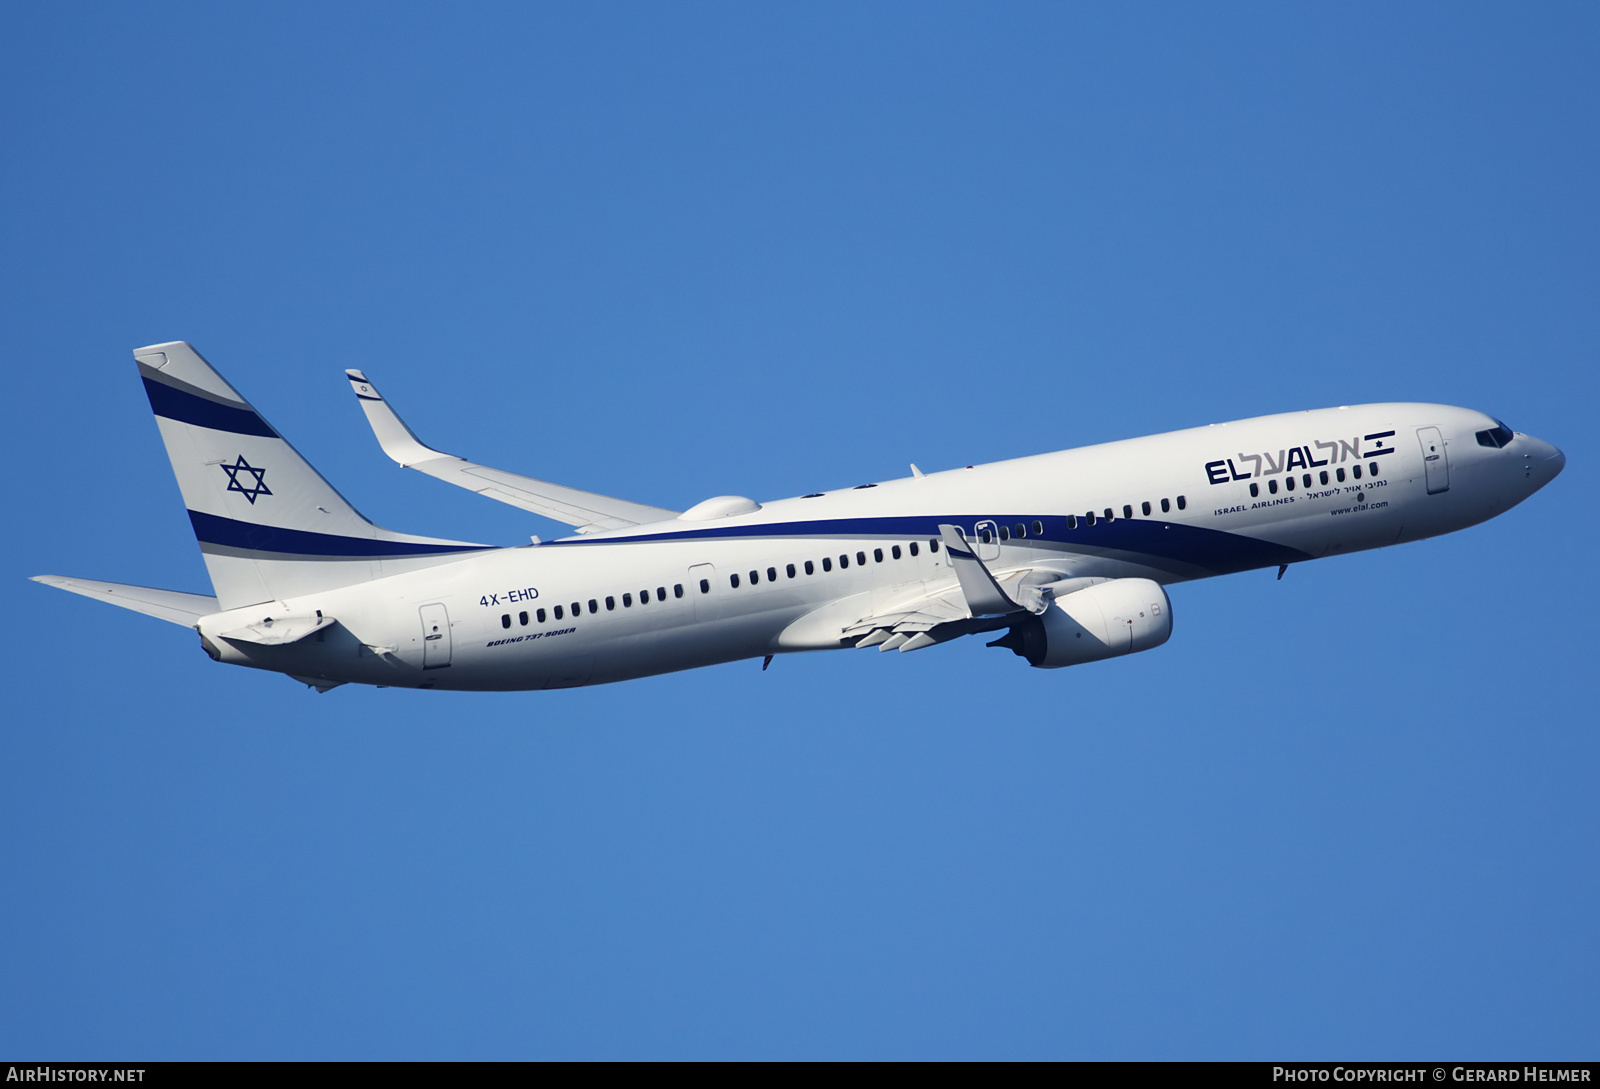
pixel 668 252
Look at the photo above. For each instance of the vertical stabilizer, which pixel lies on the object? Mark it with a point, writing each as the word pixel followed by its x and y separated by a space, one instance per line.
pixel 269 525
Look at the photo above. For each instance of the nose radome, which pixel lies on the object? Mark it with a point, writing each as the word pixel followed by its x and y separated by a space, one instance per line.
pixel 1543 462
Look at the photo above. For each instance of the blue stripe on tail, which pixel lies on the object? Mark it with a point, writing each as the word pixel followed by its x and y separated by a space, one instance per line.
pixel 176 404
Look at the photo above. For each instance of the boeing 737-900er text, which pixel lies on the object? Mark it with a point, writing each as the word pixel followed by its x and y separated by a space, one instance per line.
pixel 1065 556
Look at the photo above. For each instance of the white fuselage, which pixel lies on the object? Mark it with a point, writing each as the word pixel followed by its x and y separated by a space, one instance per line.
pixel 662 597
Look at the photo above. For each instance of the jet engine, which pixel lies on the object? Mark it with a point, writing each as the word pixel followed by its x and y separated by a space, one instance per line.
pixel 1105 620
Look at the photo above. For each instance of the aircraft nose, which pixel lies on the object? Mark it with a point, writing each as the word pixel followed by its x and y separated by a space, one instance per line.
pixel 1543 462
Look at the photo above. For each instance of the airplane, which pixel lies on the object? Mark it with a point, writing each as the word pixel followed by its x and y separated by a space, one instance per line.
pixel 1065 557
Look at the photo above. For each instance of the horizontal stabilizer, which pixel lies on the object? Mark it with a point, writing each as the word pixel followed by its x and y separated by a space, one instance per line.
pixel 170 605
pixel 586 510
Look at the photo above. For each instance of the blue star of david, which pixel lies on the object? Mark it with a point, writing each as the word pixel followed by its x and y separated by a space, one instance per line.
pixel 246 489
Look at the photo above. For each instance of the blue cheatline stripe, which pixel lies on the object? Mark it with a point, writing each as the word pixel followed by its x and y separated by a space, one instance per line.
pixel 1211 549
pixel 176 404
pixel 232 533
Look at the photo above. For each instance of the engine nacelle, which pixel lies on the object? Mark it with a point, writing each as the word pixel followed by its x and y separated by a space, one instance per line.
pixel 1105 620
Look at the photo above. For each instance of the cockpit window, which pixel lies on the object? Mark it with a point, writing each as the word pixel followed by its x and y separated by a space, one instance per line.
pixel 1495 437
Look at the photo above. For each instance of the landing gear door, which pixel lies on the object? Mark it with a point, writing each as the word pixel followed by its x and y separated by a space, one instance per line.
pixel 435 637
pixel 1434 460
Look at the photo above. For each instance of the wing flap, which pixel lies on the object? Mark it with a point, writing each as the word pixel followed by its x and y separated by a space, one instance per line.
pixel 589 511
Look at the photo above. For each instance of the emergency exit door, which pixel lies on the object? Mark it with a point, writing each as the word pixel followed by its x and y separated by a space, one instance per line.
pixel 1435 463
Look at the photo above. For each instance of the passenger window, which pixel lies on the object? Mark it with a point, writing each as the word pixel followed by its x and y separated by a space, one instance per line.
pixel 895 552
pixel 1372 468
pixel 522 619
pixel 1005 533
pixel 877 555
pixel 1288 482
pixel 1305 481
pixel 913 547
pixel 505 620
pixel 627 601
pixel 1338 474
pixel 1072 521
pixel 558 612
pixel 810 570
pixel 933 546
pixel 1110 517
pixel 1088 519
pixel 1272 486
pixel 1145 507
pixel 1255 489
pixel 1127 510
pixel 733 580
pixel 789 570
pixel 844 562
pixel 1020 531
pixel 611 603
pixel 1323 476
pixel 827 564
pixel 577 610
pixel 861 559
pixel 985 536
pixel 594 606
pixel 1166 505
pixel 755 578
pixel 705 585
pixel 772 574
pixel 1183 503
pixel 1038 529
pixel 677 590
pixel 539 616
pixel 661 593
pixel 1355 470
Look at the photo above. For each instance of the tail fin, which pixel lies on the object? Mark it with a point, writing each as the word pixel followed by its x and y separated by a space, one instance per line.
pixel 270 527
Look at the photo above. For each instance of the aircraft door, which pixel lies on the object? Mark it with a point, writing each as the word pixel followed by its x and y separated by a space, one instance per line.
pixel 705 592
pixel 985 541
pixel 1435 462
pixel 435 636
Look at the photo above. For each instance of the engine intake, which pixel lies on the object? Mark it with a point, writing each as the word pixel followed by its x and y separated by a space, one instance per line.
pixel 1106 620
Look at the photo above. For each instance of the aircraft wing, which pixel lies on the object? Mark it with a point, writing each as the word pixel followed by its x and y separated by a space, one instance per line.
pixel 586 510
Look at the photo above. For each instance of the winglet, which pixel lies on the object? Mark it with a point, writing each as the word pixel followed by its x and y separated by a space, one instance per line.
pixel 983 594
pixel 397 440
